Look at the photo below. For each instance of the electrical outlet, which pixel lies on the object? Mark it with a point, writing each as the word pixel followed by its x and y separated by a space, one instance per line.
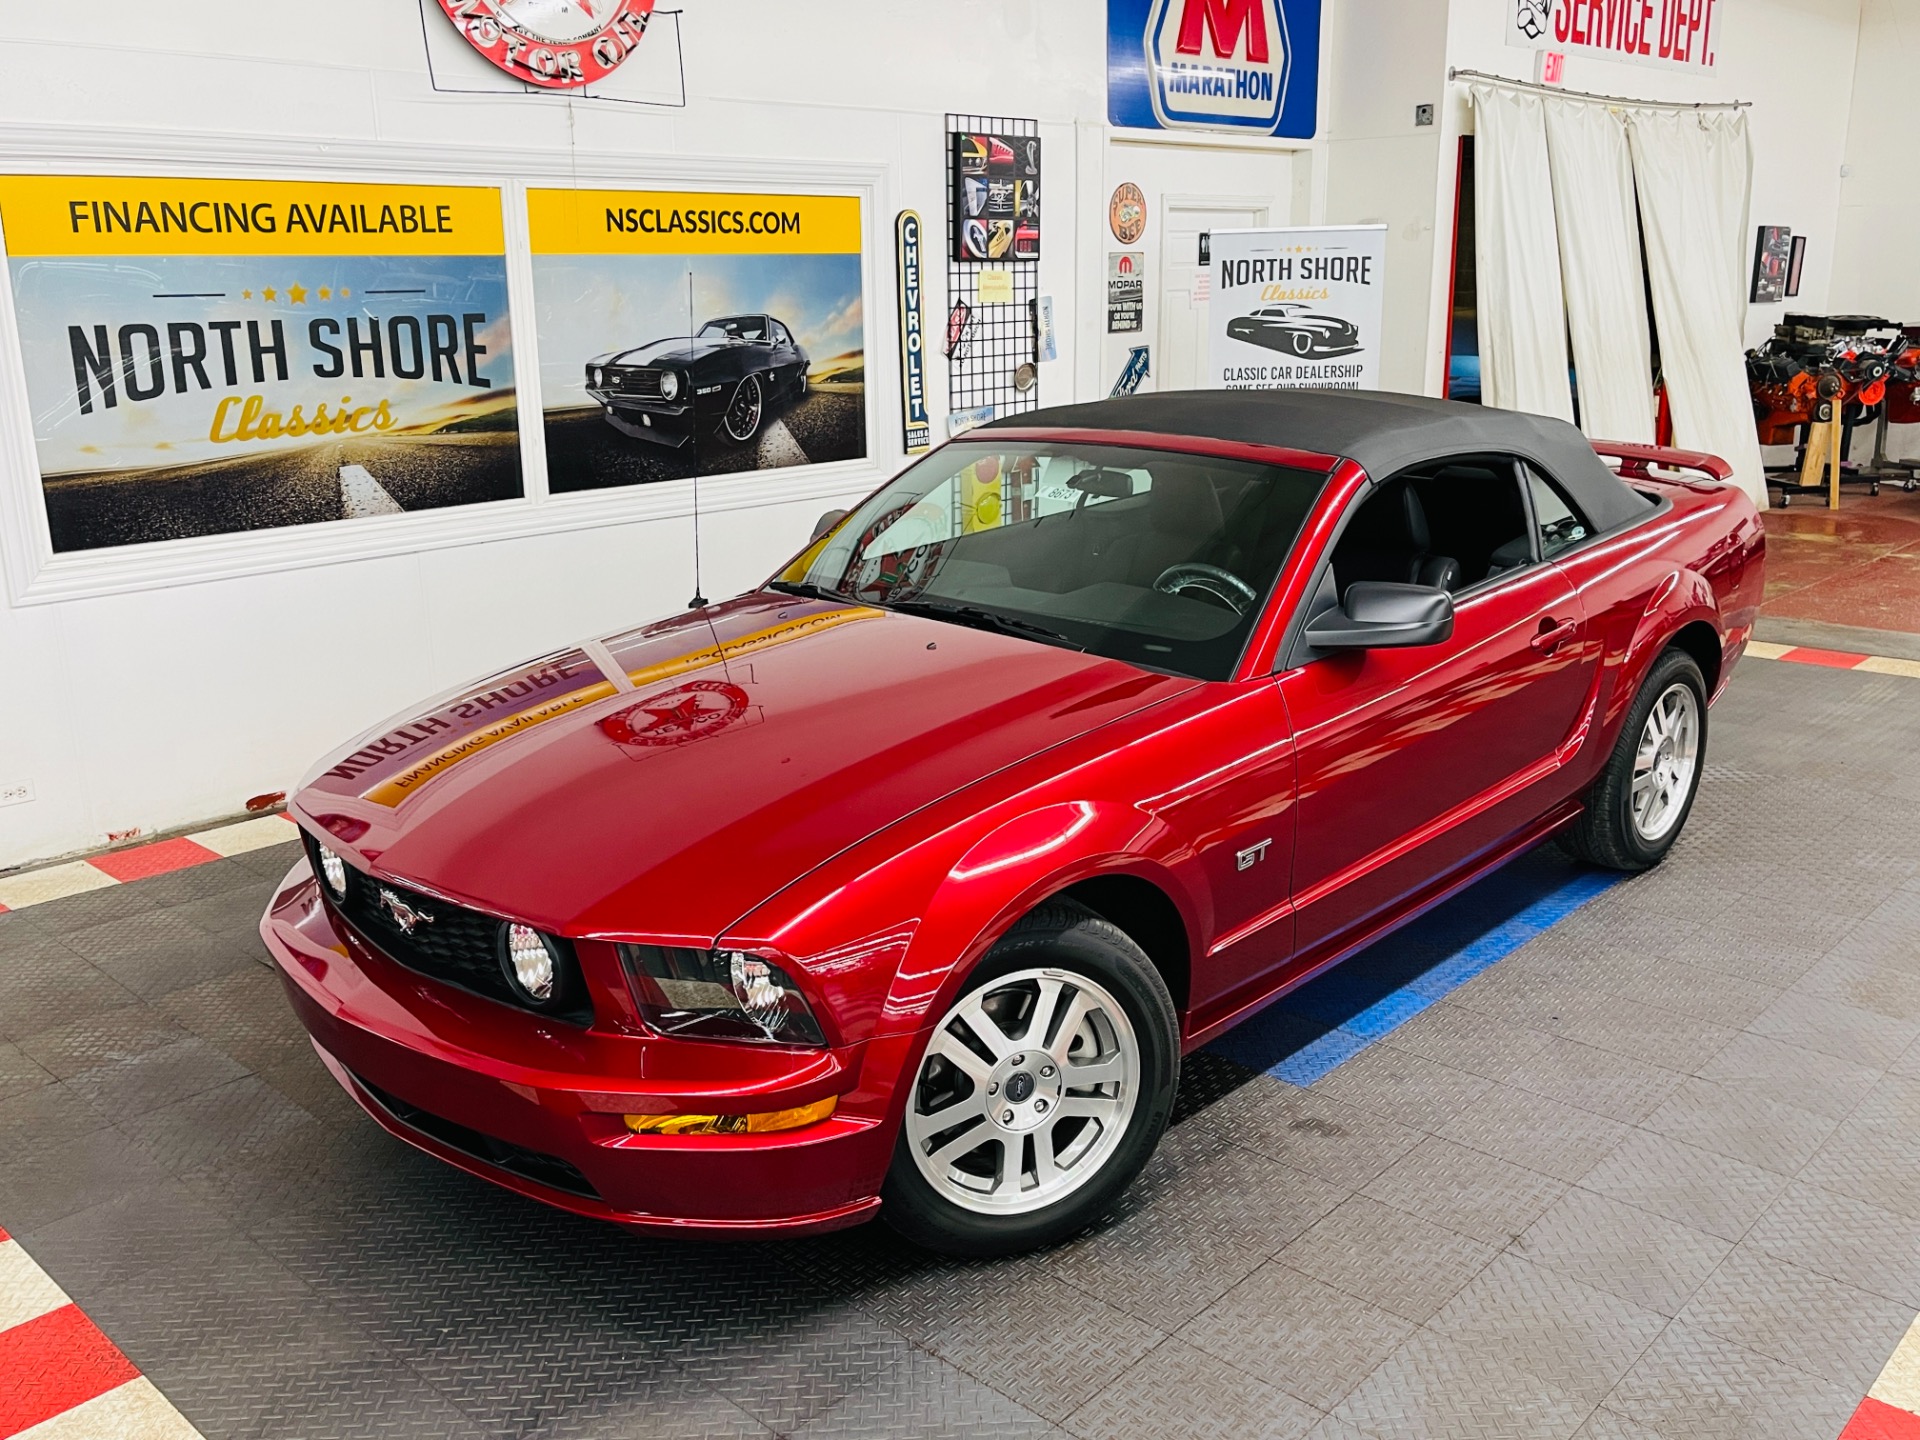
pixel 16 794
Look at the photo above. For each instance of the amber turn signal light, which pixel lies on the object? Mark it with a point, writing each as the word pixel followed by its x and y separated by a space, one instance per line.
pixel 760 1123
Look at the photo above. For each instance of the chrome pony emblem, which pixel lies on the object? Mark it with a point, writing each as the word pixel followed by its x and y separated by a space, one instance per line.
pixel 404 915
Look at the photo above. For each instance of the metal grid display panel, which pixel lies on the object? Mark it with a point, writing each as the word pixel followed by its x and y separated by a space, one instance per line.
pixel 1000 338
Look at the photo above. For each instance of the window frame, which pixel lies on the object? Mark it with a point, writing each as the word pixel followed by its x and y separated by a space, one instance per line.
pixel 1294 653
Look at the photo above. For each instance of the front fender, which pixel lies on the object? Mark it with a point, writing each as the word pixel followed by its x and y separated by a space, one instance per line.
pixel 1001 877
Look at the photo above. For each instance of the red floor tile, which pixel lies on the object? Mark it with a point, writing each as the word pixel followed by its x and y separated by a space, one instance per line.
pixel 155 859
pixel 1875 1421
pixel 54 1363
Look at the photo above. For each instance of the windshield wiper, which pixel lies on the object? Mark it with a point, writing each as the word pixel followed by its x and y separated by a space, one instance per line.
pixel 806 589
pixel 982 619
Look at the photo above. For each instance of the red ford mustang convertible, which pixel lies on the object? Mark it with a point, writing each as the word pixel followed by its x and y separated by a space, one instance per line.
pixel 906 880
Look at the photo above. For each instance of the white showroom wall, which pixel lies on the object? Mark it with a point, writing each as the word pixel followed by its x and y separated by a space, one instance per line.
pixel 165 704
pixel 1873 255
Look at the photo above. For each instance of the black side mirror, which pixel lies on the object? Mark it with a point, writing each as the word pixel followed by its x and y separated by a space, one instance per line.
pixel 1377 614
pixel 827 521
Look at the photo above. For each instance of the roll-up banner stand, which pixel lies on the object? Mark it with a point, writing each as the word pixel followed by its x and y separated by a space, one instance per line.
pixel 1296 308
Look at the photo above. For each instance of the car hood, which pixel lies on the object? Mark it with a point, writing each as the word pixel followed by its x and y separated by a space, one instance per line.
pixel 665 781
pixel 677 350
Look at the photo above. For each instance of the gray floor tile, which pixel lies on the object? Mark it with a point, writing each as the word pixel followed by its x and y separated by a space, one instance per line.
pixel 1577 1339
pixel 1847 1239
pixel 1693 1384
pixel 1309 1338
pixel 44 985
pixel 1834 1028
pixel 1534 1132
pixel 1652 1033
pixel 1799 1317
pixel 1179 1391
pixel 1465 1190
pixel 1684 1183
pixel 1402 1086
pixel 1440 1387
pixel 1405 1265
pixel 1587 1077
pixel 19 1072
pixel 1733 1121
pixel 1791 1074
pixel 1654 1263
pixel 921 1395
pixel 1875 1153
pixel 1467 1040
pixel 1342 1144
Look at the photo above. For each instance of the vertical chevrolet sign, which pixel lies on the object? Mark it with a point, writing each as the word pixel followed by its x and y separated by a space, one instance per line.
pixel 916 430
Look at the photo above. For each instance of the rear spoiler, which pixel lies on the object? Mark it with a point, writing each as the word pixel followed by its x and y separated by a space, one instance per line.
pixel 1636 461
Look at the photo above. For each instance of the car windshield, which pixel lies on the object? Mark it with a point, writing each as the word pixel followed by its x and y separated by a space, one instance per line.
pixel 736 327
pixel 1156 557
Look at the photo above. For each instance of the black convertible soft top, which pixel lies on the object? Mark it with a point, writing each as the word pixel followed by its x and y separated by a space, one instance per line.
pixel 1381 430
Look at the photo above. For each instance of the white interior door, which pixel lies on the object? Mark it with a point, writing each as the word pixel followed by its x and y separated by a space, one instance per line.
pixel 1182 356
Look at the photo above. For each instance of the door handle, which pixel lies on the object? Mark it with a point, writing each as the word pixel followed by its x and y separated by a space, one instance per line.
pixel 1552 634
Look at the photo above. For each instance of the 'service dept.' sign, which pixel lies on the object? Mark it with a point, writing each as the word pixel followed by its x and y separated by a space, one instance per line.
pixel 1672 34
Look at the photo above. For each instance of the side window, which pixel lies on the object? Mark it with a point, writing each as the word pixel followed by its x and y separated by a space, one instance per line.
pixel 1560 526
pixel 780 336
pixel 1453 523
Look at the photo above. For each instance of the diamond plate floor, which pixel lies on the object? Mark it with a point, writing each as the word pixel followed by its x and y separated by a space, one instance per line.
pixel 1656 1173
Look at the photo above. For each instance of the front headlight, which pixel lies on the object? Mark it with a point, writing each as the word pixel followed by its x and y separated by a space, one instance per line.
pixel 718 994
pixel 669 385
pixel 331 869
pixel 531 963
pixel 596 377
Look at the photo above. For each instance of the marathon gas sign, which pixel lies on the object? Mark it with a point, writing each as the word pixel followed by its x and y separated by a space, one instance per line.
pixel 1236 65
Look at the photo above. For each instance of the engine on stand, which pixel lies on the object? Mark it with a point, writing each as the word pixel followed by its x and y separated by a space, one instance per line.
pixel 1821 377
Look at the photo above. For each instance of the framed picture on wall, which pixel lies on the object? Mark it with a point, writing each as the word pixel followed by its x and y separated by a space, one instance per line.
pixel 1793 265
pixel 1771 252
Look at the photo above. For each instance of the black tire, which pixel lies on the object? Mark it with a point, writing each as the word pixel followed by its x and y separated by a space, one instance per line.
pixel 1605 834
pixel 751 390
pixel 1065 937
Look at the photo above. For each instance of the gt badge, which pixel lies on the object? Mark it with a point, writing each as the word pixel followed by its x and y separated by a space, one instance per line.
pixel 556 44
pixel 404 915
pixel 1246 859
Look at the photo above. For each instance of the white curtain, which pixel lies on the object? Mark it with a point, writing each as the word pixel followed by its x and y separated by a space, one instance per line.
pixel 1523 321
pixel 1600 259
pixel 1694 169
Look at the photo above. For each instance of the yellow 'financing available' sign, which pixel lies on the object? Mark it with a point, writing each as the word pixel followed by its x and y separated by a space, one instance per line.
pixel 207 356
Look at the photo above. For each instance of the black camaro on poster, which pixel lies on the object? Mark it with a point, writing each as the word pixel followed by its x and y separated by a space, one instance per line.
pixel 685 334
pixel 996 196
pixel 209 356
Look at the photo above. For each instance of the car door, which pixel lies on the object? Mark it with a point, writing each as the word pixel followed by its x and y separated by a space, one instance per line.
pixel 1413 762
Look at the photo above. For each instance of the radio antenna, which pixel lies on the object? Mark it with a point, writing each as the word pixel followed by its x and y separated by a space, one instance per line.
pixel 699 601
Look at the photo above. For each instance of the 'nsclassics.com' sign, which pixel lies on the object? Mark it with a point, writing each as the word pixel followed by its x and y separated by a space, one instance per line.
pixel 1296 309
pixel 1237 65
pixel 1677 34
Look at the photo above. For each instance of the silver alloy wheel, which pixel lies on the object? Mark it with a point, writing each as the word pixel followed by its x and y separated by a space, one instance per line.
pixel 1664 762
pixel 1025 1091
pixel 743 411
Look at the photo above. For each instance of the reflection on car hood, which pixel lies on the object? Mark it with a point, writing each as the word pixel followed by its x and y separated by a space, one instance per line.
pixel 736 749
pixel 678 350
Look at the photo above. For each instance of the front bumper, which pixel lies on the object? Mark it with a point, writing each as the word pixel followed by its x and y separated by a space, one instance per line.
pixel 662 422
pixel 537 1106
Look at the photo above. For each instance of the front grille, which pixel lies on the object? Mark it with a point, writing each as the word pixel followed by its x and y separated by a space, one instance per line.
pixel 448 942
pixel 641 384
pixel 548 1170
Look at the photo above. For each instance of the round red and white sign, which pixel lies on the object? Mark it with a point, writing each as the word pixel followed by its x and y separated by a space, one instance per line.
pixel 559 44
